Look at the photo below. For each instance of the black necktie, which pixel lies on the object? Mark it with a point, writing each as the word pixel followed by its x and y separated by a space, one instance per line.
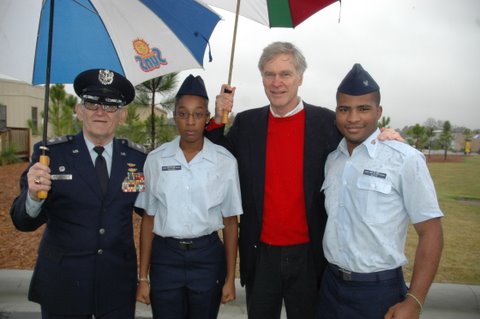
pixel 101 168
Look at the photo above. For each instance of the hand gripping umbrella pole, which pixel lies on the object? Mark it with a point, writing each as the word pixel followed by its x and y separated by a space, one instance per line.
pixel 44 159
pixel 232 54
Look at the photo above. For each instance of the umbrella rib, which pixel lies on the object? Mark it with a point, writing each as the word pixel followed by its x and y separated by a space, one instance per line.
pixel 85 7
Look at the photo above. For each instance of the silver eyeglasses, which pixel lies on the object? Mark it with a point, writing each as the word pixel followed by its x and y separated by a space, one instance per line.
pixel 109 108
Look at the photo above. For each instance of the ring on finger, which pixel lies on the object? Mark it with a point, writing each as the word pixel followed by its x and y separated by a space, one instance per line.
pixel 36 180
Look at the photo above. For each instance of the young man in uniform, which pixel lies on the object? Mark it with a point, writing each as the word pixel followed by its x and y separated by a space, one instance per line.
pixel 372 190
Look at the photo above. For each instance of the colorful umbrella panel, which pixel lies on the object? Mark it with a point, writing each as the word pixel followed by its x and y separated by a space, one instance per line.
pixel 274 13
pixel 141 39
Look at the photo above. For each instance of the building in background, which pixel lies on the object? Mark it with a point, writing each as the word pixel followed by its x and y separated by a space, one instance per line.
pixel 20 103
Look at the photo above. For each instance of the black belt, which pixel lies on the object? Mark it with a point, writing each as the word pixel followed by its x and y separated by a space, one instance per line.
pixel 373 276
pixel 190 243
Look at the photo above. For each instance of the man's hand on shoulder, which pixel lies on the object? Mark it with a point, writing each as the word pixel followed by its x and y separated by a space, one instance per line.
pixel 388 134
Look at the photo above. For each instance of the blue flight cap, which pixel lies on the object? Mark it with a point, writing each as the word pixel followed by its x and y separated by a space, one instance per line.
pixel 104 86
pixel 358 82
pixel 193 85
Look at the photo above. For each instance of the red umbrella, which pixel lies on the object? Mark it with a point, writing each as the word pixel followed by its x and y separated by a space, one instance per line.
pixel 272 13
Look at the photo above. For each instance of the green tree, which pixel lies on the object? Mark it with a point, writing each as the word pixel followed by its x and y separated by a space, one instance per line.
pixel 133 129
pixel 60 111
pixel 417 136
pixel 384 122
pixel 429 134
pixel 165 130
pixel 446 137
pixel 147 92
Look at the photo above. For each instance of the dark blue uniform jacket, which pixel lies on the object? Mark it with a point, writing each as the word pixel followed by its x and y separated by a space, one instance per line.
pixel 86 259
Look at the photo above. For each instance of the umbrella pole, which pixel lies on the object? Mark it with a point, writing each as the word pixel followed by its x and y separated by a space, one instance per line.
pixel 44 159
pixel 232 54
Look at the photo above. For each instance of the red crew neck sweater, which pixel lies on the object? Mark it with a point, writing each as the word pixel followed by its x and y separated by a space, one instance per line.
pixel 284 216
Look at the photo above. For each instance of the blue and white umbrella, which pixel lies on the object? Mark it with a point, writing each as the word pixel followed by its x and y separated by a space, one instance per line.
pixel 141 39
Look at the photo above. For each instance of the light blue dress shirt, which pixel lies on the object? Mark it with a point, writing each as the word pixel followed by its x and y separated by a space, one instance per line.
pixel 190 199
pixel 370 197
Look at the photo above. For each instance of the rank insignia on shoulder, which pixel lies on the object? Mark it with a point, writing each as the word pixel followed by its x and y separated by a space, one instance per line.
pixel 135 146
pixel 59 140
pixel 135 181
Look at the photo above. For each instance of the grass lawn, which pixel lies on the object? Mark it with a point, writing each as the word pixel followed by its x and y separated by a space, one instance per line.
pixel 458 191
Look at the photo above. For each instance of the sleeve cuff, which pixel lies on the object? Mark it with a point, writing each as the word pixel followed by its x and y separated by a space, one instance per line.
pixel 33 207
pixel 212 125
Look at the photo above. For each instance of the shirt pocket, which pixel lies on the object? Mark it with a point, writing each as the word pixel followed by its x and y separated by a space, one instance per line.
pixel 214 189
pixel 332 194
pixel 376 193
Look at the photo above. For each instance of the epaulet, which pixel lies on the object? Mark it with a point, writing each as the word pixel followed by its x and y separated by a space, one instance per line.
pixel 401 147
pixel 135 146
pixel 60 140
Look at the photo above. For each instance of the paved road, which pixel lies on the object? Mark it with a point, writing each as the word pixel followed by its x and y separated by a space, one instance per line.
pixel 445 301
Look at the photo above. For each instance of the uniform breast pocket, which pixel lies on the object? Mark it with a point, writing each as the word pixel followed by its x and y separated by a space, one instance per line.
pixel 214 188
pixel 376 193
pixel 332 193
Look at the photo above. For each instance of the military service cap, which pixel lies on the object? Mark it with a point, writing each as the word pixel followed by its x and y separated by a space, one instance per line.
pixel 193 85
pixel 358 82
pixel 104 86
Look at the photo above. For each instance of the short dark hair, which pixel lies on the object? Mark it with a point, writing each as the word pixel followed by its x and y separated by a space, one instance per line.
pixel 376 96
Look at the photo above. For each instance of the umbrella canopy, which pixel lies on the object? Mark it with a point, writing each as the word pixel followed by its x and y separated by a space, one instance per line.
pixel 43 41
pixel 274 13
pixel 141 39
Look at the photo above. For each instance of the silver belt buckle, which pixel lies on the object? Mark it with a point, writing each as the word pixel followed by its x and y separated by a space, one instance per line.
pixel 186 245
pixel 345 274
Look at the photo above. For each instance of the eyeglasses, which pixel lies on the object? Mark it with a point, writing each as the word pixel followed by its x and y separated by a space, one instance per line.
pixel 109 108
pixel 185 115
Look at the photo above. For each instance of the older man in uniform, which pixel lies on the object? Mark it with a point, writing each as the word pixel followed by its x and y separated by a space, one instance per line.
pixel 86 264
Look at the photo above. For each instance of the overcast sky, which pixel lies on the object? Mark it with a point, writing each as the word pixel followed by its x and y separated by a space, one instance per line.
pixel 424 54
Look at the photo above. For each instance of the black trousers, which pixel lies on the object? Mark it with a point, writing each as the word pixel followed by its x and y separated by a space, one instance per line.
pixel 283 274
pixel 125 312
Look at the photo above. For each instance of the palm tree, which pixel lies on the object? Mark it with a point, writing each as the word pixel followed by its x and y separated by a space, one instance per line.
pixel 384 122
pixel 147 91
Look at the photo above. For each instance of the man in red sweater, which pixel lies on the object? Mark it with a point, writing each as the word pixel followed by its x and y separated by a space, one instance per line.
pixel 281 150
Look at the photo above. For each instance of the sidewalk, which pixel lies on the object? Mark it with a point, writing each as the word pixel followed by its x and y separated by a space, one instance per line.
pixel 445 301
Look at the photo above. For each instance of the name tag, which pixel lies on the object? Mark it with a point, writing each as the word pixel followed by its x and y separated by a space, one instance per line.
pixel 61 177
pixel 374 174
pixel 171 168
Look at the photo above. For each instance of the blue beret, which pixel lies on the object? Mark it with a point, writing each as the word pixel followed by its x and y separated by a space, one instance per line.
pixel 104 86
pixel 193 85
pixel 358 82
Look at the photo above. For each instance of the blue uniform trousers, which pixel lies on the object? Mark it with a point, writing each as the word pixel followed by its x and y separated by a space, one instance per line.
pixel 125 312
pixel 187 277
pixel 345 295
